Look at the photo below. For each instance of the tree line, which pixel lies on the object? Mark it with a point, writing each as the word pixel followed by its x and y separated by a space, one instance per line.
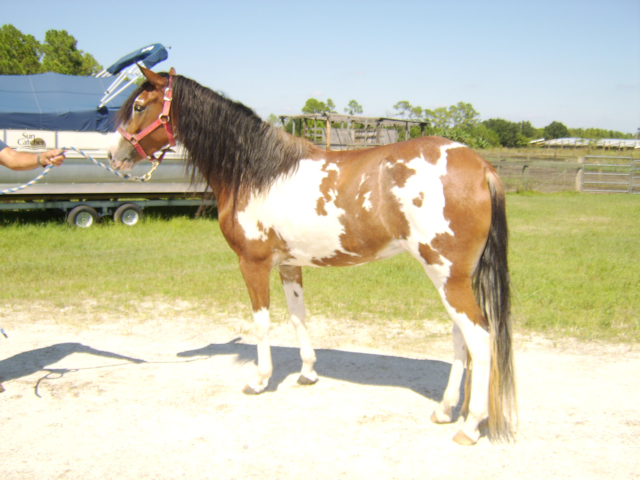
pixel 22 54
pixel 461 122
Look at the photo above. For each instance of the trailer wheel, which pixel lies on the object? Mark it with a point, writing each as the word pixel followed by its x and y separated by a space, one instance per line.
pixel 82 216
pixel 128 214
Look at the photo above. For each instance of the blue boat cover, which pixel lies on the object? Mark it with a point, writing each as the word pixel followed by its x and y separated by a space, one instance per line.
pixel 148 56
pixel 52 101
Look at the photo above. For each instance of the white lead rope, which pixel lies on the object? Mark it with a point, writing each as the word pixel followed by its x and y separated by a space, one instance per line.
pixel 144 178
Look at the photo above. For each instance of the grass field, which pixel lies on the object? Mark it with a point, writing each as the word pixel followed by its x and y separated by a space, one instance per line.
pixel 574 259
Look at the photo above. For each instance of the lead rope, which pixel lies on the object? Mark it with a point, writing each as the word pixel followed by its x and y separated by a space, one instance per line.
pixel 28 184
pixel 144 178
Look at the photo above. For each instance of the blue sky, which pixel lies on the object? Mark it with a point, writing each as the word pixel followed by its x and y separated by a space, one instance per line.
pixel 572 61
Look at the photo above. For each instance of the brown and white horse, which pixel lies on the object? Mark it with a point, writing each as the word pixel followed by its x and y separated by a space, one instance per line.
pixel 284 202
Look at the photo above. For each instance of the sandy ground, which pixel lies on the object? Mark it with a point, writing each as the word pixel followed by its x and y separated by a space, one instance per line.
pixel 131 398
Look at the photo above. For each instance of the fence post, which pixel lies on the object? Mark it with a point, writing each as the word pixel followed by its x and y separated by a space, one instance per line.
pixel 525 177
pixel 580 175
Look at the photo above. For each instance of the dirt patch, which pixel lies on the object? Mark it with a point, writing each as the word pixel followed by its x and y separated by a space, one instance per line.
pixel 159 396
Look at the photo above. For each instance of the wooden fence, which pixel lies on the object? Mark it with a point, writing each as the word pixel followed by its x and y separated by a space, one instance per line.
pixel 589 174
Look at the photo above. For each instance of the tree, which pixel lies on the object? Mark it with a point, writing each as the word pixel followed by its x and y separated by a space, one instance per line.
pixel 529 130
pixel 463 115
pixel 22 54
pixel 508 132
pixel 598 133
pixel 19 54
pixel 415 112
pixel 62 56
pixel 403 107
pixel 438 118
pixel 353 108
pixel 316 106
pixel 274 120
pixel 555 130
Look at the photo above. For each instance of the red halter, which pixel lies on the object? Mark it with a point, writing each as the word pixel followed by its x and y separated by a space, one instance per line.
pixel 163 120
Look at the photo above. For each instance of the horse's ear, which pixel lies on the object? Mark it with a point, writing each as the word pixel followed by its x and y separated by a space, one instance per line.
pixel 172 71
pixel 155 79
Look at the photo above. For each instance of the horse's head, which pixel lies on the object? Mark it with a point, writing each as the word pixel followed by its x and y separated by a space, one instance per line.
pixel 145 125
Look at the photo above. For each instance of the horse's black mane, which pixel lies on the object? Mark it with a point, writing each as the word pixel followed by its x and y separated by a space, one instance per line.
pixel 226 141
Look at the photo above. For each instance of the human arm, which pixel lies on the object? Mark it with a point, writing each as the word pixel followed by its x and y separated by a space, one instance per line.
pixel 28 161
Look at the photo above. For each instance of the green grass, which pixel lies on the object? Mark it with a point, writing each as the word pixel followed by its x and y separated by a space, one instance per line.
pixel 575 266
pixel 575 263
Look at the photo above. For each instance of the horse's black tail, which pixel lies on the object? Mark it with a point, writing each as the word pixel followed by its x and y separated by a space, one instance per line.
pixel 491 289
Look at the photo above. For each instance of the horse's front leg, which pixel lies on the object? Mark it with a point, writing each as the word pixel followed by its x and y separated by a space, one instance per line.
pixel 256 276
pixel 292 284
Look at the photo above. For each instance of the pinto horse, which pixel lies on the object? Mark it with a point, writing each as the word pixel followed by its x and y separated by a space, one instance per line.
pixel 284 202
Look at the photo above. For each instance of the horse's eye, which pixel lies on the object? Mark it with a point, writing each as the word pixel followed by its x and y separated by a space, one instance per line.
pixel 138 108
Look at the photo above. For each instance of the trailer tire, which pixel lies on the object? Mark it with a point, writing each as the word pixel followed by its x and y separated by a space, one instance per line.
pixel 128 214
pixel 82 216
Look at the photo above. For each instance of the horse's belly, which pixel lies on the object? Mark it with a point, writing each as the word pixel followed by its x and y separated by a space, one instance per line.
pixel 314 254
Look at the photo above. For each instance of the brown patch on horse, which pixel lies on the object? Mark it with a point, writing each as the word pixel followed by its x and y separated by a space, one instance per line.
pixel 320 210
pixel 429 254
pixel 328 184
pixel 400 173
pixel 468 210
pixel 418 200
pixel 291 274
pixel 430 148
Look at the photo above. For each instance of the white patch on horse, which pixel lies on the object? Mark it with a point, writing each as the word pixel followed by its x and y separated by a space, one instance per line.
pixel 295 304
pixel 367 205
pixel 262 321
pixel 289 208
pixel 426 223
pixel 114 142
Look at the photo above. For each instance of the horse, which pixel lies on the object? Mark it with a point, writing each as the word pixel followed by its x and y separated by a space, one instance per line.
pixel 284 202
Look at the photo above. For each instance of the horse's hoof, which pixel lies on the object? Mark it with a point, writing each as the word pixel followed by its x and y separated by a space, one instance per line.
pixel 302 380
pixel 462 438
pixel 440 418
pixel 1 388
pixel 249 390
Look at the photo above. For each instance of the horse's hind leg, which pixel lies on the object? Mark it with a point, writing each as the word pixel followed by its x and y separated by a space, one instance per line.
pixel 292 284
pixel 444 411
pixel 462 307
pixel 469 335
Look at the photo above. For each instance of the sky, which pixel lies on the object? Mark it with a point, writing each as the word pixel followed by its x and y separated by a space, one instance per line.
pixel 571 61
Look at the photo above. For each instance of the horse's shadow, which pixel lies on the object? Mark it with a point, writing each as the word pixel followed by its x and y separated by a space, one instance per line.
pixel 33 361
pixel 425 377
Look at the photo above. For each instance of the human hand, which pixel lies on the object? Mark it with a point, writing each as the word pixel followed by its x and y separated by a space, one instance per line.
pixel 52 157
